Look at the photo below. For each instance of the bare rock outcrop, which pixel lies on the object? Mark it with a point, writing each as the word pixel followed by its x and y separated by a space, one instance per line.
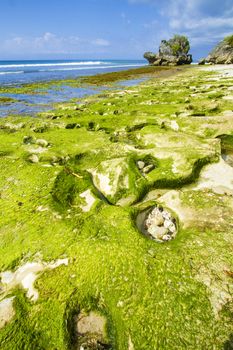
pixel 221 54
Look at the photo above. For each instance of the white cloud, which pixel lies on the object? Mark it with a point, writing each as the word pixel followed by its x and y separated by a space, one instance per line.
pixel 101 42
pixel 50 43
pixel 203 21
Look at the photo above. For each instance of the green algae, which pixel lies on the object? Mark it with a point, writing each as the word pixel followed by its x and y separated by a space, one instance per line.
pixel 155 296
pixel 6 100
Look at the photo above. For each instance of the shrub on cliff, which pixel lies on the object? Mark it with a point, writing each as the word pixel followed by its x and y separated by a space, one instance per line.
pixel 222 52
pixel 179 45
pixel 229 40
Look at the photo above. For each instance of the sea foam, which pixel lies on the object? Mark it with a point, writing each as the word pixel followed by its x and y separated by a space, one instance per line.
pixel 84 63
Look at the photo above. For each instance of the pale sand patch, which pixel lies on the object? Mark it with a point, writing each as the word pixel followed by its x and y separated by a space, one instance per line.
pixel 220 289
pixel 104 183
pixel 130 344
pixel 226 70
pixel 92 323
pixel 228 97
pixel 7 311
pixel 106 176
pixel 37 150
pixel 90 200
pixel 26 275
pixel 174 125
pixel 217 176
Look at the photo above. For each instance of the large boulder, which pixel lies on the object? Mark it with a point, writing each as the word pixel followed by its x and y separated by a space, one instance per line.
pixel 222 53
pixel 173 52
pixel 150 57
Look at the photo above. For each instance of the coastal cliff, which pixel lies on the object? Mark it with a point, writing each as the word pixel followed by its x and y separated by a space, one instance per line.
pixel 222 53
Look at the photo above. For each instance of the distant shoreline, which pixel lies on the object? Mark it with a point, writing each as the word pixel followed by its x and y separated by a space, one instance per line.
pixel 30 99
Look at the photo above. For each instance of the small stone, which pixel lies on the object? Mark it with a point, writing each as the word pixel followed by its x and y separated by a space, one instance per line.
pixel 33 158
pixel 157 232
pixel 166 215
pixel 148 168
pixel 41 208
pixel 54 159
pixel 166 238
pixel 172 228
pixel 174 125
pixel 140 164
pixel 42 142
pixel 158 220
pixel 92 323
pixel 120 303
pixel 167 223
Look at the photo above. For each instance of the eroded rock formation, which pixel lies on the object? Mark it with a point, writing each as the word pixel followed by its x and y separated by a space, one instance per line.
pixel 222 53
pixel 173 52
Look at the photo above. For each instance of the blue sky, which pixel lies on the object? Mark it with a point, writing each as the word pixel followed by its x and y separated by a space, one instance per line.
pixel 82 29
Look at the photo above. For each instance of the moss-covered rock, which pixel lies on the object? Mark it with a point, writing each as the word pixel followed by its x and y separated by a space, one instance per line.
pixel 160 143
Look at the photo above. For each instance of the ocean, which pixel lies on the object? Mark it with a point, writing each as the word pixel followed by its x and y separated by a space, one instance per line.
pixel 19 72
pixel 15 73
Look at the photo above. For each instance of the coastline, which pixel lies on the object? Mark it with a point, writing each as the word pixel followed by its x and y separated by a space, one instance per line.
pixel 30 99
pixel 72 188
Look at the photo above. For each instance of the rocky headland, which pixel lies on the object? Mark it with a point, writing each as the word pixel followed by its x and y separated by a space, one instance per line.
pixel 221 54
pixel 173 52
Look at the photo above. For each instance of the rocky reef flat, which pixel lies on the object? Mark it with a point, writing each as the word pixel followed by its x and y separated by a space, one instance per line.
pixel 117 217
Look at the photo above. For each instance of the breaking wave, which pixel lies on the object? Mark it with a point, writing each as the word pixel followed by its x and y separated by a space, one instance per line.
pixel 29 65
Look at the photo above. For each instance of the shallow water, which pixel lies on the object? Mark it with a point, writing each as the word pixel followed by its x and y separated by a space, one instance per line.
pixel 31 104
pixel 34 103
pixel 132 82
